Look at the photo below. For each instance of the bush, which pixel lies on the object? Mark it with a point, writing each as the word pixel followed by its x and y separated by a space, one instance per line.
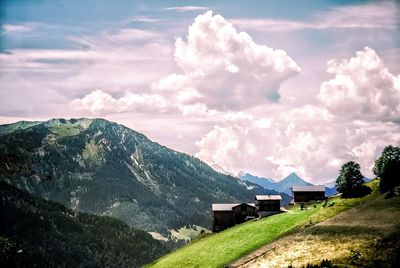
pixel 324 264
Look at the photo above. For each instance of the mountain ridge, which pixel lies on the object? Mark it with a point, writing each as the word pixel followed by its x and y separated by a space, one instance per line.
pixel 101 167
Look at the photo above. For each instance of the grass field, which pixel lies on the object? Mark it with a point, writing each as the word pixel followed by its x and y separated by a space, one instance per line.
pixel 365 236
pixel 217 250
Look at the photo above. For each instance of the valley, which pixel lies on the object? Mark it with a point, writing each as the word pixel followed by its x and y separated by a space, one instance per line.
pixel 100 167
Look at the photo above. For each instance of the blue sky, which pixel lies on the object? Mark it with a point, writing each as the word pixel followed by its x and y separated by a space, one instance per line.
pixel 250 85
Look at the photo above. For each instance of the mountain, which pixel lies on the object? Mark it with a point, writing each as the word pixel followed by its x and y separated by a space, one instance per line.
pixel 330 184
pixel 282 186
pixel 293 179
pixel 263 182
pixel 39 233
pixel 100 167
pixel 220 169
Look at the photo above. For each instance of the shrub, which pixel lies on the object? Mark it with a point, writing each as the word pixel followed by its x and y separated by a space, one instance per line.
pixel 324 264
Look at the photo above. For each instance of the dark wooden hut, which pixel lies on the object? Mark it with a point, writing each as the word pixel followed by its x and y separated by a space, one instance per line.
pixel 308 193
pixel 227 215
pixel 268 204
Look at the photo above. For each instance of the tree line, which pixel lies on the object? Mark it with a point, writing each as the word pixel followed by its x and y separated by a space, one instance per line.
pixel 386 168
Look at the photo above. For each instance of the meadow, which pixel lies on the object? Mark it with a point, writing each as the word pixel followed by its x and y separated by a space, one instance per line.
pixel 218 250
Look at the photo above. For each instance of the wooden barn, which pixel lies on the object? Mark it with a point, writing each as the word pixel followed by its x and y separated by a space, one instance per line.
pixel 227 215
pixel 308 193
pixel 268 204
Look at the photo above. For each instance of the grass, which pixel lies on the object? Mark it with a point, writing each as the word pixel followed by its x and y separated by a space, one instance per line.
pixel 65 130
pixel 225 247
pixel 366 236
pixel 187 233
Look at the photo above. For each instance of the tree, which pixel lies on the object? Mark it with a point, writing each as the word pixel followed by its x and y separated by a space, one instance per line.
pixel 387 168
pixel 350 179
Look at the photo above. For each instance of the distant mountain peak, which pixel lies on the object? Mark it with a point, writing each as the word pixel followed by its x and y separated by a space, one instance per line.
pixel 292 176
pixel 283 185
pixel 294 179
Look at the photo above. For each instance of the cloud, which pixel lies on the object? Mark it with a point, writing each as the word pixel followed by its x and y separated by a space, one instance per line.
pixel 368 16
pixel 113 60
pixel 16 28
pixel 355 119
pixel 146 19
pixel 222 69
pixel 306 140
pixel 226 69
pixel 187 8
pixel 133 35
pixel 100 103
pixel 363 88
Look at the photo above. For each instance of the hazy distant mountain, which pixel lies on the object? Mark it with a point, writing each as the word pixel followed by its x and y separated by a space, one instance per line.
pixel 293 179
pixel 281 186
pixel 38 233
pixel 263 182
pixel 105 168
pixel 330 184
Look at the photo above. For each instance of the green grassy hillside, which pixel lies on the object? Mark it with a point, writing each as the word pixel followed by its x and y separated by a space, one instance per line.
pixel 365 236
pixel 221 249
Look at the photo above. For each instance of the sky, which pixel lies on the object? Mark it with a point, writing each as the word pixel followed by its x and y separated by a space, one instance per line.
pixel 265 87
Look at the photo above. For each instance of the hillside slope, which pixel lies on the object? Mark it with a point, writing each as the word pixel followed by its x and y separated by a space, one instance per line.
pixel 365 236
pixel 38 233
pixel 218 250
pixel 101 167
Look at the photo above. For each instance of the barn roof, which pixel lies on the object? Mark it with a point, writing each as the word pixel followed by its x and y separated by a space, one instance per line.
pixel 316 188
pixel 228 207
pixel 268 197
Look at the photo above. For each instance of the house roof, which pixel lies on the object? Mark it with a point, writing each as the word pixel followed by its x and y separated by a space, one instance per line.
pixel 316 188
pixel 228 207
pixel 268 197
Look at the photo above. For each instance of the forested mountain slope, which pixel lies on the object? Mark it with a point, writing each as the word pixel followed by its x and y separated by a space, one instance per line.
pixel 39 233
pixel 101 167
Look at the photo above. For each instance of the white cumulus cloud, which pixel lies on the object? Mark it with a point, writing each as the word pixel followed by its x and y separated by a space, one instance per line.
pixel 363 88
pixel 100 103
pixel 221 69
pixel 306 140
pixel 227 68
pixel 354 121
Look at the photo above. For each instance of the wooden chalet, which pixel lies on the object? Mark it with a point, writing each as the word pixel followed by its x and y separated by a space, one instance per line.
pixel 227 215
pixel 268 204
pixel 308 193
